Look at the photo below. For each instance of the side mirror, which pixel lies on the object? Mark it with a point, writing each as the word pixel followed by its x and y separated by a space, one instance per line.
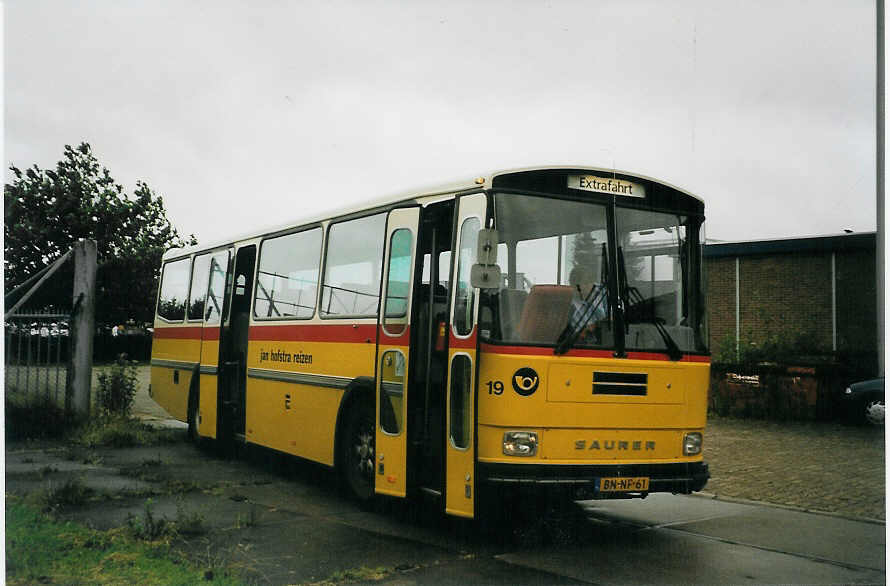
pixel 485 276
pixel 487 248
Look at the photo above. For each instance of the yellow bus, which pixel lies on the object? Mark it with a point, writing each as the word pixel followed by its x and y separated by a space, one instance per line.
pixel 537 329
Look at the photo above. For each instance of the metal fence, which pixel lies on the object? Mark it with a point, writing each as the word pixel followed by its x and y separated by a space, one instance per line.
pixel 37 350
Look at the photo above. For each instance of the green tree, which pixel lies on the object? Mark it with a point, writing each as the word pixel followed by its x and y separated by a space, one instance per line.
pixel 46 211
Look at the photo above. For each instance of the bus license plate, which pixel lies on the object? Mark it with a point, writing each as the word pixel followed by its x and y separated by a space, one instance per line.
pixel 628 484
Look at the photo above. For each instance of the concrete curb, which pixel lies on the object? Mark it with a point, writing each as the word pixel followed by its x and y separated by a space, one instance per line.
pixel 741 501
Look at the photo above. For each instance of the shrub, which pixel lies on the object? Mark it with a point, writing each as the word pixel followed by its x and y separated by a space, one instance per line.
pixel 117 387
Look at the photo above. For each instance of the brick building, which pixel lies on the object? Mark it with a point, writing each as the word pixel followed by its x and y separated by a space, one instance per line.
pixel 817 293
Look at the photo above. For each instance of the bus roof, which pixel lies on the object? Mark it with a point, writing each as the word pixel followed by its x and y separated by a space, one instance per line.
pixel 408 196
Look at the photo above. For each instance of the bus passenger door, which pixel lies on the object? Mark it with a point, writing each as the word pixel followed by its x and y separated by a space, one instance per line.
pixel 393 355
pixel 460 450
pixel 210 336
pixel 233 347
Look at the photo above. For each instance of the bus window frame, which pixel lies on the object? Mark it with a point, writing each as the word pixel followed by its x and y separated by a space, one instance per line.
pixel 164 265
pixel 321 257
pixel 324 271
pixel 472 396
pixel 691 209
pixel 455 274
pixel 195 257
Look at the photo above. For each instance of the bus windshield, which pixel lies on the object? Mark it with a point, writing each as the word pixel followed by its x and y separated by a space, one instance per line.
pixel 561 284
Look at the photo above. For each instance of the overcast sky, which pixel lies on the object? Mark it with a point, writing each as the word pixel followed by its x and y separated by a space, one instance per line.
pixel 246 114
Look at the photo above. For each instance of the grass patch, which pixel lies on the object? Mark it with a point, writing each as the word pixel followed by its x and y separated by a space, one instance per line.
pixel 41 550
pixel 40 418
pixel 122 432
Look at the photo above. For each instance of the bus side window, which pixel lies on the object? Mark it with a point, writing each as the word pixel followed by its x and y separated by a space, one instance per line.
pixel 351 284
pixel 174 290
pixel 200 272
pixel 219 264
pixel 287 279
pixel 465 298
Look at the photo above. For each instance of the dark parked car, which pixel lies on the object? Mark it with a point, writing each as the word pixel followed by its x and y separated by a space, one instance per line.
pixel 865 401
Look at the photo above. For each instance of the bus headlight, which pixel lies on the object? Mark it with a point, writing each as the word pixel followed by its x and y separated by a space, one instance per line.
pixel 520 443
pixel 692 444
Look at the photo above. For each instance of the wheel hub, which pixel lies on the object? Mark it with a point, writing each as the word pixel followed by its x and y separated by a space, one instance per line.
pixel 364 449
pixel 874 413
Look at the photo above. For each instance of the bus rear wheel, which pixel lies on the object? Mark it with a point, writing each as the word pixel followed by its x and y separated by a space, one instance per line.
pixel 357 452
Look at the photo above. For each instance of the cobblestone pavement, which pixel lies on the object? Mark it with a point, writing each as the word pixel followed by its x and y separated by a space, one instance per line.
pixel 814 466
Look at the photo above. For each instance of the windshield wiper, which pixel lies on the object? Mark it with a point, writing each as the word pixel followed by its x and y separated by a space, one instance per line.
pixel 636 299
pixel 591 304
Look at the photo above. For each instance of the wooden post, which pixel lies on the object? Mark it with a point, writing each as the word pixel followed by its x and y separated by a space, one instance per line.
pixel 83 318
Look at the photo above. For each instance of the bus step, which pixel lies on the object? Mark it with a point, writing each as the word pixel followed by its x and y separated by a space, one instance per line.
pixel 241 438
pixel 431 492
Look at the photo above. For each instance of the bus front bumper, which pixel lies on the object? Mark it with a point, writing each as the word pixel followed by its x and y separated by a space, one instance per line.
pixel 582 482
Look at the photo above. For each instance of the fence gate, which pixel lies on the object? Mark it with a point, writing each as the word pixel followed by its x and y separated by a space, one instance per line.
pixel 48 354
pixel 37 350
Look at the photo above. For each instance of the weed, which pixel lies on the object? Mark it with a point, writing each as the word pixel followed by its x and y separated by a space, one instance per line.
pixel 248 520
pixel 362 574
pixel 71 493
pixel 148 470
pixel 117 387
pixel 149 527
pixel 189 522
pixel 47 471
pixel 177 486
pixel 28 460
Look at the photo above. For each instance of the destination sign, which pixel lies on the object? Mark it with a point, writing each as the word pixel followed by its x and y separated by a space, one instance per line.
pixel 611 186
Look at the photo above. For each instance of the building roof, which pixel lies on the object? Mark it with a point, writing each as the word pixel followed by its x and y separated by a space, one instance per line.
pixel 828 243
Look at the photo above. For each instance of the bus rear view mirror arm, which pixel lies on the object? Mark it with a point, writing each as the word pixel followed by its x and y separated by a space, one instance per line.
pixel 485 276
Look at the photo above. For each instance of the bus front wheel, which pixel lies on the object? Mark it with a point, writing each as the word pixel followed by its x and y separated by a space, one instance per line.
pixel 357 451
pixel 193 416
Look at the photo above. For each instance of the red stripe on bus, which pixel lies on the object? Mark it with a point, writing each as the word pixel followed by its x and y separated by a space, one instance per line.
pixel 358 333
pixel 211 333
pixel 463 343
pixel 184 333
pixel 402 339
pixel 577 353
pixel 187 333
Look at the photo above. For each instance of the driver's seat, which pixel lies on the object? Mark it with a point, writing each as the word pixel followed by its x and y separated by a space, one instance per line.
pixel 545 313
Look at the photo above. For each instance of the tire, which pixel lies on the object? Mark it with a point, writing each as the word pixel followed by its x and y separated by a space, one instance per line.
pixel 193 417
pixel 357 451
pixel 874 412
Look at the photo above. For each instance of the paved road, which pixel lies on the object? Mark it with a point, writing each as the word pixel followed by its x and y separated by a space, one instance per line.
pixel 284 524
pixel 301 532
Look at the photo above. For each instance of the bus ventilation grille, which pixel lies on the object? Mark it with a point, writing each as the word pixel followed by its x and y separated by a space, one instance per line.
pixel 620 383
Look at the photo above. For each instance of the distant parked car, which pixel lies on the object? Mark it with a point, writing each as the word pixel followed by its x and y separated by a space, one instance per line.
pixel 865 401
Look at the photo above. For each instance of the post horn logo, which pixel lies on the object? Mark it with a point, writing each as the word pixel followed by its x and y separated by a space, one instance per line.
pixel 525 381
